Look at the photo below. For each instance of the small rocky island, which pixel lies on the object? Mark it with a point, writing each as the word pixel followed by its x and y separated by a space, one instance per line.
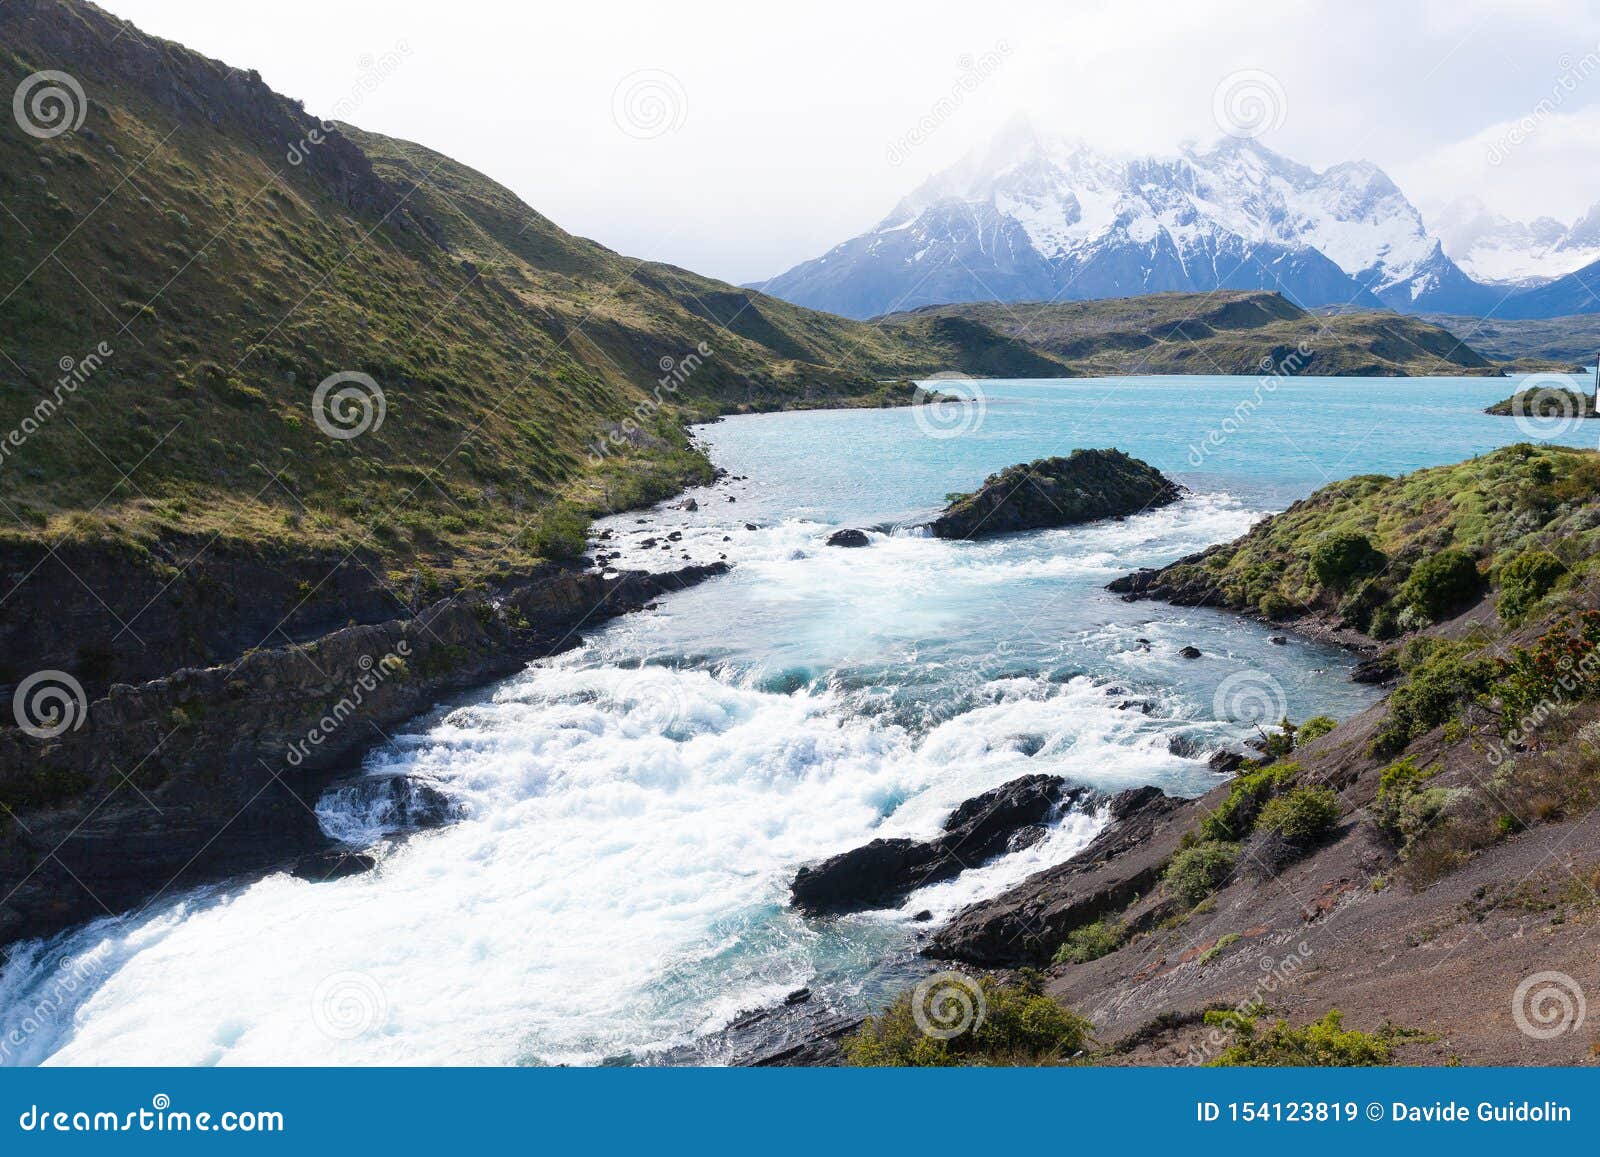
pixel 1545 402
pixel 1084 486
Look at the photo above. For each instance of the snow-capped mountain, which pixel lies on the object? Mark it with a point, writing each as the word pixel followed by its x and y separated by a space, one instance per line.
pixel 1492 248
pixel 1032 218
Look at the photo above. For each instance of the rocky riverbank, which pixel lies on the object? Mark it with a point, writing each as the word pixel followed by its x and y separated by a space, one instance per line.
pixel 213 771
pixel 1428 870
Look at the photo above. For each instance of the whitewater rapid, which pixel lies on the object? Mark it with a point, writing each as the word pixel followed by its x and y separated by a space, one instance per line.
pixel 629 813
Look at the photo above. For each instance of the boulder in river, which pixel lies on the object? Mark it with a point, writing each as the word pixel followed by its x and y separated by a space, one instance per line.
pixel 1189 652
pixel 882 873
pixel 386 803
pixel 335 864
pixel 1224 761
pixel 1084 486
pixel 848 538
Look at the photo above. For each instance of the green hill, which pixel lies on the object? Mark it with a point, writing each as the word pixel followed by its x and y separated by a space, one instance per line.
pixel 206 256
pixel 1382 557
pixel 1552 343
pixel 1227 332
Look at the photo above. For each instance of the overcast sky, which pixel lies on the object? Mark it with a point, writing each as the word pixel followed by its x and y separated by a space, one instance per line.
pixel 740 138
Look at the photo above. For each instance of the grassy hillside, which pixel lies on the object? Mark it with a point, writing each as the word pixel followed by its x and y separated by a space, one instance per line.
pixel 1557 342
pixel 1385 556
pixel 1232 332
pixel 202 257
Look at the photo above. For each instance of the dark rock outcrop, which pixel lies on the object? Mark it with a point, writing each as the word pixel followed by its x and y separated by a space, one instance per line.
pixel 1225 761
pixel 394 802
pixel 1084 486
pixel 1379 669
pixel 1173 584
pixel 1025 924
pixel 848 538
pixel 880 874
pixel 211 772
pixel 332 865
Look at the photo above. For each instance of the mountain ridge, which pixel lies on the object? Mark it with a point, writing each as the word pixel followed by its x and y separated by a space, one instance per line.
pixel 1032 218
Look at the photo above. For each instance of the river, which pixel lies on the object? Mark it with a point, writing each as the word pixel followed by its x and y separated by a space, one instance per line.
pixel 633 809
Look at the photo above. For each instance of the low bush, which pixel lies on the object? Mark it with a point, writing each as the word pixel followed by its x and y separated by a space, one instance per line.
pixel 1235 816
pixel 1324 1043
pixel 1526 578
pixel 1091 942
pixel 562 531
pixel 1225 941
pixel 1343 556
pixel 1198 870
pixel 1008 1025
pixel 1405 806
pixel 1302 815
pixel 1442 584
pixel 1562 666
pixel 1440 678
pixel 1314 728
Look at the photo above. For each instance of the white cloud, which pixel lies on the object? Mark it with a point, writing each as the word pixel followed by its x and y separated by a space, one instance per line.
pixel 1532 166
pixel 791 109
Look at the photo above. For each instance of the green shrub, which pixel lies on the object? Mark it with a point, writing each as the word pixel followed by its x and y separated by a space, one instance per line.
pixel 1279 743
pixel 1525 579
pixel 1091 942
pixel 1405 806
pixel 1225 941
pixel 562 531
pixel 1437 684
pixel 1382 624
pixel 1560 666
pixel 1442 584
pixel 1274 606
pixel 1235 816
pixel 1315 728
pixel 1197 871
pixel 1323 1043
pixel 1343 556
pixel 1302 815
pixel 1017 1025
